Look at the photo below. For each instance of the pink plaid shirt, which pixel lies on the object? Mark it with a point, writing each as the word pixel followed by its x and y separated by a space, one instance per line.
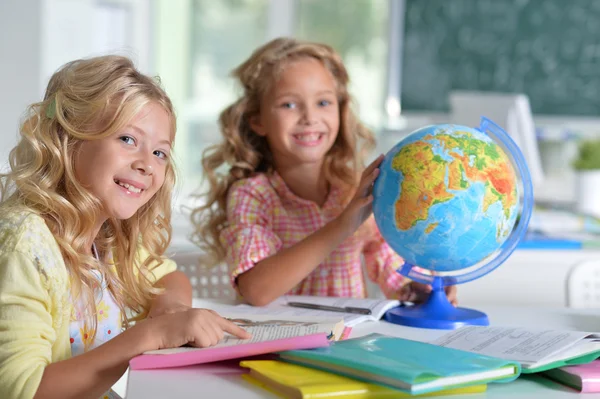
pixel 264 216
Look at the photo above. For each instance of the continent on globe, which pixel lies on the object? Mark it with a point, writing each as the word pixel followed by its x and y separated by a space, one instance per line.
pixel 430 178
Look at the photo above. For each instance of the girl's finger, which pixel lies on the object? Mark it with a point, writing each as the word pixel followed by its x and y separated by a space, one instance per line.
pixel 426 288
pixel 366 183
pixel 405 292
pixel 234 329
pixel 373 165
pixel 202 338
pixel 414 297
pixel 210 332
pixel 217 333
pixel 359 203
pixel 451 293
pixel 373 176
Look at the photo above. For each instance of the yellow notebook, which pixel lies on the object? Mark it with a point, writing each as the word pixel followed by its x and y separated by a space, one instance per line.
pixel 293 381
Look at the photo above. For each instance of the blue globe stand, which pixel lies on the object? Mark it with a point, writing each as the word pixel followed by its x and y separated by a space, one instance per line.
pixel 437 312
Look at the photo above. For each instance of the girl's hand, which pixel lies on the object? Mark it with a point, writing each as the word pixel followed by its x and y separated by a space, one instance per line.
pixel 359 208
pixel 196 327
pixel 417 292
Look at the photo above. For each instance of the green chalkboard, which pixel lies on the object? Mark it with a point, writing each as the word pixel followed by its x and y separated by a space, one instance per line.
pixel 548 49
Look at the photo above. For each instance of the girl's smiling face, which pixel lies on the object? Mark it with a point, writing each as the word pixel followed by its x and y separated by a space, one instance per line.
pixel 126 169
pixel 299 114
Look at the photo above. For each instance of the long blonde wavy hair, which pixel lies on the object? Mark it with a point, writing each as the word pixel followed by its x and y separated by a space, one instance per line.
pixel 243 153
pixel 91 99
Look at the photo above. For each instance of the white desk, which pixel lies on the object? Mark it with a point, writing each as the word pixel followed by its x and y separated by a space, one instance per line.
pixel 225 382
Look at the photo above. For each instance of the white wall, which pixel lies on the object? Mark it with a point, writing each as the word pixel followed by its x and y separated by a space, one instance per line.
pixel 38 36
pixel 20 62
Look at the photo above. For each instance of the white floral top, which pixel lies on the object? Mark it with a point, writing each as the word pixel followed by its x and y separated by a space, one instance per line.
pixel 109 325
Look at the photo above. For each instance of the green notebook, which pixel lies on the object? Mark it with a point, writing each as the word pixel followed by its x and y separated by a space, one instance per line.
pixel 535 349
pixel 411 366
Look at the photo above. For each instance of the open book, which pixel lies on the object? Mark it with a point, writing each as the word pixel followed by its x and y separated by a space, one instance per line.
pixel 268 335
pixel 280 308
pixel 536 349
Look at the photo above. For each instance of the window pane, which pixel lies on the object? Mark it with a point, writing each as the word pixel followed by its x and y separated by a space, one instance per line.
pixel 357 29
pixel 224 33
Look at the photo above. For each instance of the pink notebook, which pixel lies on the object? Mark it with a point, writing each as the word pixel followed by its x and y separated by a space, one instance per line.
pixel 188 356
pixel 583 377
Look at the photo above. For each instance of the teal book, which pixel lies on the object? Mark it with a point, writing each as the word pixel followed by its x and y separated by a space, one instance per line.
pixel 410 366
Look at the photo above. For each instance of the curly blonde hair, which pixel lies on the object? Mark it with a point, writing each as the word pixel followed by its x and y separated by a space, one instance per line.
pixel 245 153
pixel 91 99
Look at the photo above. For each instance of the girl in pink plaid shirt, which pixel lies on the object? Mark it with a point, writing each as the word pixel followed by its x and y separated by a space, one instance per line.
pixel 293 212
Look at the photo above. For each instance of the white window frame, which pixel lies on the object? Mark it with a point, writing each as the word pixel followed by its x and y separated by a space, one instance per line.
pixel 393 99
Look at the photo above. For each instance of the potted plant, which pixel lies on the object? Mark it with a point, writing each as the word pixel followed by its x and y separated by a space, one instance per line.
pixel 587 169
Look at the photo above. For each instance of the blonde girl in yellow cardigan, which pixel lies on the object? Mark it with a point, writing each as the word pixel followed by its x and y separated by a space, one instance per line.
pixel 84 224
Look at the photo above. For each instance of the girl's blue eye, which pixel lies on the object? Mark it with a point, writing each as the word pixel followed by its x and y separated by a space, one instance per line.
pixel 127 140
pixel 288 105
pixel 324 103
pixel 160 154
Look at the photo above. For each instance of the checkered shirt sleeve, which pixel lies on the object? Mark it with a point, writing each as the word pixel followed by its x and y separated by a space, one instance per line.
pixel 248 238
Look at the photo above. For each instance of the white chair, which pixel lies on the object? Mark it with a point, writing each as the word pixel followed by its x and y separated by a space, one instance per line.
pixel 214 283
pixel 206 282
pixel 583 285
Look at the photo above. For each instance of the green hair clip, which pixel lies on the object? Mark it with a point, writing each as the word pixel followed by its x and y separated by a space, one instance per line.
pixel 51 109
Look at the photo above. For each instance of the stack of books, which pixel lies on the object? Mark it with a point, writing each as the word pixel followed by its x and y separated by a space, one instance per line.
pixel 294 381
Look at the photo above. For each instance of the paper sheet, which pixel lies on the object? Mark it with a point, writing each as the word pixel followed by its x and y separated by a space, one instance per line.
pixel 519 344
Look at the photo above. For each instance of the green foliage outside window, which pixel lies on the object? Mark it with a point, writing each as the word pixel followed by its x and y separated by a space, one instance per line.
pixel 589 155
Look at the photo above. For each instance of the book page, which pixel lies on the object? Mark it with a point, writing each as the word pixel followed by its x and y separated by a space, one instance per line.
pixel 262 331
pixel 518 344
pixel 284 312
pixel 280 309
pixel 377 306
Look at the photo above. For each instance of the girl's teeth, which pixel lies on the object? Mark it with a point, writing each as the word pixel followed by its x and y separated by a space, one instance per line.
pixel 129 187
pixel 308 137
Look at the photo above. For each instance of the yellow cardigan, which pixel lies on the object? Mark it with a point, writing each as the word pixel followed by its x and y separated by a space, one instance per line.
pixel 35 307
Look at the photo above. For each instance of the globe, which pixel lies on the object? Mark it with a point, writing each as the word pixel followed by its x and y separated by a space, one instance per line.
pixel 447 200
